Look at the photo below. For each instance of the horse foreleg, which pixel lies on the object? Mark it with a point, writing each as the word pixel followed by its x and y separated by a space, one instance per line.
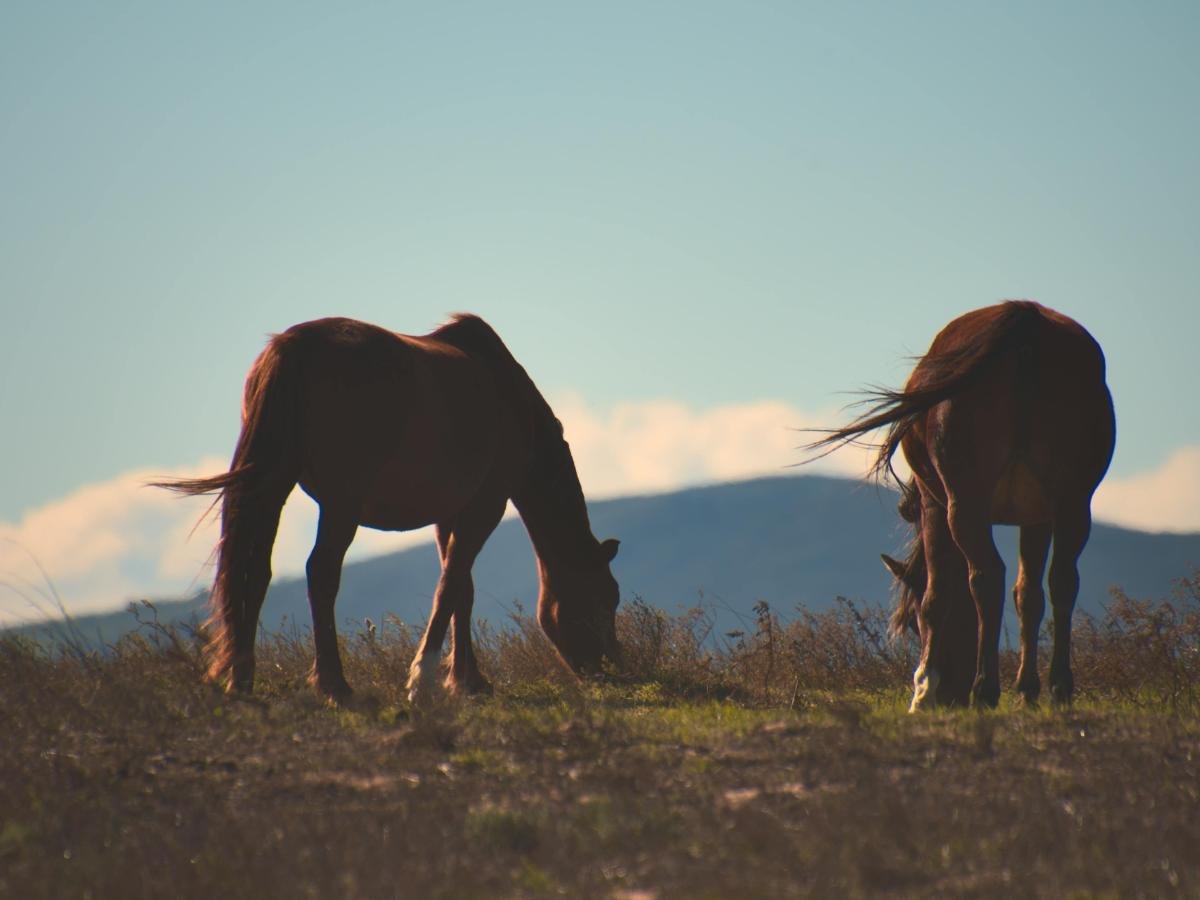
pixel 459 544
pixel 335 531
pixel 1030 601
pixel 465 676
pixel 945 617
pixel 1071 528
pixel 422 674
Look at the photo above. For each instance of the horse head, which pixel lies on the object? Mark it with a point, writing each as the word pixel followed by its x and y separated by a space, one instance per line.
pixel 577 608
pixel 911 576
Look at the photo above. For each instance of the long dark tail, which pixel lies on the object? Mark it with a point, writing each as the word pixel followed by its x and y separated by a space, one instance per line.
pixel 263 471
pixel 943 375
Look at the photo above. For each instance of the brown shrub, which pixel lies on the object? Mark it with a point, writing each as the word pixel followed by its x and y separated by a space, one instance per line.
pixel 1142 652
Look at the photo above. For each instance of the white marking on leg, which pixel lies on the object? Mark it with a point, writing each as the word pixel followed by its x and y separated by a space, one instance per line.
pixel 422 678
pixel 925 682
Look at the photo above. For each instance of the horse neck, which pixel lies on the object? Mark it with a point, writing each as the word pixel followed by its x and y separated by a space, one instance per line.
pixel 550 501
pixel 556 518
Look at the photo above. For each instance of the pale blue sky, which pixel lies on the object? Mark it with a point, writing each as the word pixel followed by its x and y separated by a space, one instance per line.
pixel 711 203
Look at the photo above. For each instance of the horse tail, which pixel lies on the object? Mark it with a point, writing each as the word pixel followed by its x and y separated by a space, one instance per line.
pixel 263 471
pixel 942 375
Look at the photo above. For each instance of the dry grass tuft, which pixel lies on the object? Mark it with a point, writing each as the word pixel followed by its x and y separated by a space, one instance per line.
pixel 775 760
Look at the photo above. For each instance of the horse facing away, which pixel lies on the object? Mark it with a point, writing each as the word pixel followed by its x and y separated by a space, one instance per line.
pixel 396 432
pixel 1005 420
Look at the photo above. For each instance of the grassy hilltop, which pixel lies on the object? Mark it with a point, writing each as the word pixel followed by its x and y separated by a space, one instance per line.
pixel 779 762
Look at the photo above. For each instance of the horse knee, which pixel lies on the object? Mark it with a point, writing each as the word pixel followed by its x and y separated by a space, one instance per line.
pixel 1030 601
pixel 1064 584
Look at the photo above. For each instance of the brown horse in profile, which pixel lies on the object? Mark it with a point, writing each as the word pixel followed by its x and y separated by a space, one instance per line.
pixel 1005 420
pixel 398 432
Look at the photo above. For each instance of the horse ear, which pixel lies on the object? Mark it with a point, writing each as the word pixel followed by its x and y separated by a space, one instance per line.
pixel 608 549
pixel 894 566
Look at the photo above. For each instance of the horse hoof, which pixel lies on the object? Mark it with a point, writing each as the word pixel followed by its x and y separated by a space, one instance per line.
pixel 425 696
pixel 471 686
pixel 985 696
pixel 337 694
pixel 1060 697
pixel 925 685
pixel 422 681
pixel 239 683
pixel 1029 691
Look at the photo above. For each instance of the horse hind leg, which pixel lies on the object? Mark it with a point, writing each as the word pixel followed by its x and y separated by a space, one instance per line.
pixel 335 532
pixel 985 573
pixel 248 535
pixel 1030 601
pixel 1072 526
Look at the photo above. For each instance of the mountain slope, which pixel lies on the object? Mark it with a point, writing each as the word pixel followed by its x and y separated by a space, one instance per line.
pixel 786 540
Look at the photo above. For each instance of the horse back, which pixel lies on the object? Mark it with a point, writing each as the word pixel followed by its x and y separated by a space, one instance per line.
pixel 1031 425
pixel 405 428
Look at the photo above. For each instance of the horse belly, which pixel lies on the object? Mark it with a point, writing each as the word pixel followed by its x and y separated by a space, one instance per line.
pixel 1019 498
pixel 411 493
pixel 407 448
pixel 437 466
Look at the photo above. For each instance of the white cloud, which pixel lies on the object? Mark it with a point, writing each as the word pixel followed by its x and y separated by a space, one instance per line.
pixel 100 545
pixel 1163 499
pixel 107 543
pixel 659 445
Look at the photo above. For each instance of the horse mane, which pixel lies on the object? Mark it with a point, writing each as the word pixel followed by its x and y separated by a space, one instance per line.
pixel 943 375
pixel 551 455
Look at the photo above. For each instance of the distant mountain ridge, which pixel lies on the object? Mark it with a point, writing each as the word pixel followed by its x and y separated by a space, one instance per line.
pixel 786 540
